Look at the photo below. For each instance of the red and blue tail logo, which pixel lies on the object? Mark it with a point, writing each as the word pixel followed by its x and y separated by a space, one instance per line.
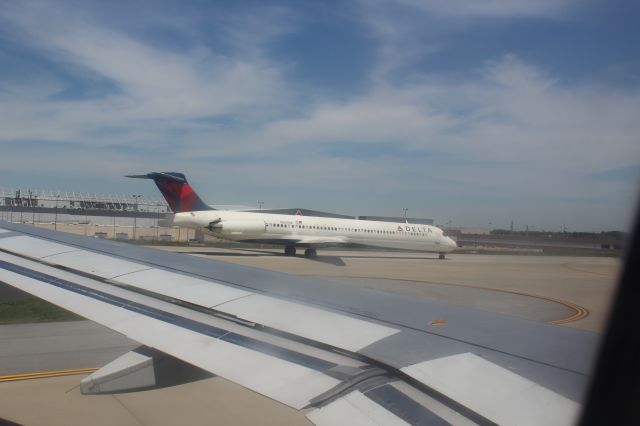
pixel 177 191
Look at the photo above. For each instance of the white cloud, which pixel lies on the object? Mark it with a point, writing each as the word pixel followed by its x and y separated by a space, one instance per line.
pixel 385 115
pixel 152 83
pixel 410 30
pixel 513 112
pixel 394 18
pixel 492 8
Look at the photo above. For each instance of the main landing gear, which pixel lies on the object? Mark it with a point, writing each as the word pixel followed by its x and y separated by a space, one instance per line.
pixel 441 256
pixel 291 251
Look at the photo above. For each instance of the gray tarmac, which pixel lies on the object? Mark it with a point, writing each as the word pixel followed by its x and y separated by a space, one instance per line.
pixel 544 288
pixel 26 348
pixel 541 288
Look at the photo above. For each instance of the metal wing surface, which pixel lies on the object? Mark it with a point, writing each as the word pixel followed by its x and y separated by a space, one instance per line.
pixel 341 354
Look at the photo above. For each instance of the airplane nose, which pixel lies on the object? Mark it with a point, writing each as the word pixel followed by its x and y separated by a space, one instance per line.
pixel 451 242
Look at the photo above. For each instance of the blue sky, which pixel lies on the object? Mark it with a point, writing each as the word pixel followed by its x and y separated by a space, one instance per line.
pixel 469 112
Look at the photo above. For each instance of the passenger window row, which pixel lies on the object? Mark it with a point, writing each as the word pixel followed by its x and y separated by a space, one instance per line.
pixel 333 228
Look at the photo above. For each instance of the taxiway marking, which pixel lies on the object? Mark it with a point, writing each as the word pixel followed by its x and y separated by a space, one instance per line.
pixel 45 374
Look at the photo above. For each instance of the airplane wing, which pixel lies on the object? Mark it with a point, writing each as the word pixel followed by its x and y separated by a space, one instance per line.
pixel 340 354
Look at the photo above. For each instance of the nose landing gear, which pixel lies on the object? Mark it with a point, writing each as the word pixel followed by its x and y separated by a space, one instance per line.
pixel 441 256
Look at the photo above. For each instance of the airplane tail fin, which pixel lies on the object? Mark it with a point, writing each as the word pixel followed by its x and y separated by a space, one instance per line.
pixel 176 190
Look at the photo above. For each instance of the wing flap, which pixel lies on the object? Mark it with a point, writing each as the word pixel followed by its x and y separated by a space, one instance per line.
pixel 288 382
pixel 181 287
pixel 33 247
pixel 360 410
pixel 95 264
pixel 89 262
pixel 493 391
pixel 331 328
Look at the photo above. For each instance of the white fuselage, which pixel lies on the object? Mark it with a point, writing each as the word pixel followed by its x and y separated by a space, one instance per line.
pixel 313 231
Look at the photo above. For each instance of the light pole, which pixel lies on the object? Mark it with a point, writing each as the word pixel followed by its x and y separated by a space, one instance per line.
pixel 55 220
pixel 405 214
pixel 260 203
pixel 33 210
pixel 135 214
pixel 85 206
pixel 19 198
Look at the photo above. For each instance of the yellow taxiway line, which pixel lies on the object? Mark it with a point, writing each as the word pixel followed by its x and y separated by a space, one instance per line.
pixel 578 314
pixel 45 374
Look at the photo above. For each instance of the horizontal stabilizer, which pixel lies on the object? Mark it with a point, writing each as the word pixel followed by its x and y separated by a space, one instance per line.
pixel 176 177
pixel 138 176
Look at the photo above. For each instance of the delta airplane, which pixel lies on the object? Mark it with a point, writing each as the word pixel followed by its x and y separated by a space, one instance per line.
pixel 309 232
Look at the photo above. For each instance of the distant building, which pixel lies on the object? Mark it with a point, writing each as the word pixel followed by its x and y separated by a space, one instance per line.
pixel 467 231
pixel 50 201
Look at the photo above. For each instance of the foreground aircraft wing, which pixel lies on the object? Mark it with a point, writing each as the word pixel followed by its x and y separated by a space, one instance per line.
pixel 340 354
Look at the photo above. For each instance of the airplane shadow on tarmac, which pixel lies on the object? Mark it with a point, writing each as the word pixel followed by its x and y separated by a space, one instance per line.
pixel 331 260
pixel 338 259
pixel 224 253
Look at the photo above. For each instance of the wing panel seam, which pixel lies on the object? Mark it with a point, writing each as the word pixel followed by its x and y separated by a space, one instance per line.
pixel 305 360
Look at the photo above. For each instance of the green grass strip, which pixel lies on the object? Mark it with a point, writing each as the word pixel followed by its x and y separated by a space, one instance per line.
pixel 33 310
